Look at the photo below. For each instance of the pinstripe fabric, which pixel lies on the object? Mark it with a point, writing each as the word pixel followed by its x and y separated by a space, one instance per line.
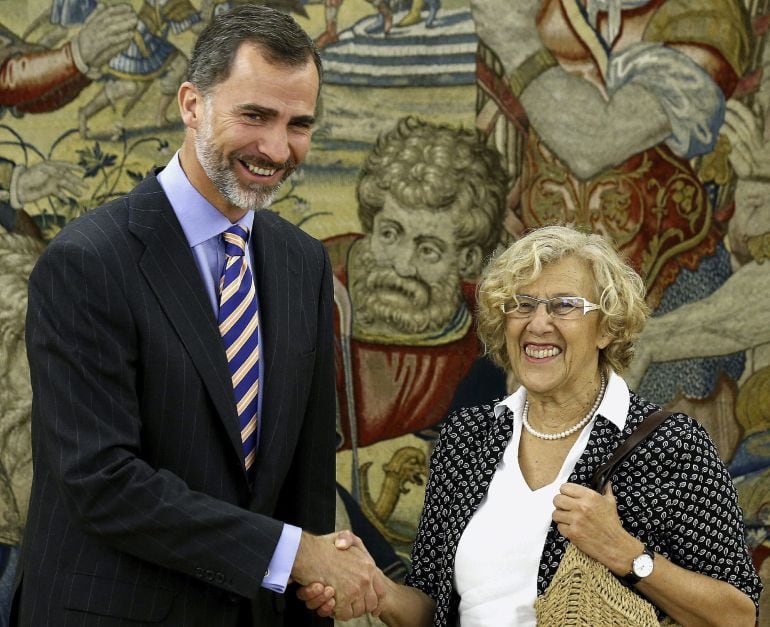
pixel 141 512
pixel 238 321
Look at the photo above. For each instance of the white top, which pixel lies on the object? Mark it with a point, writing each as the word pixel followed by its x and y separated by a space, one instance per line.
pixel 498 555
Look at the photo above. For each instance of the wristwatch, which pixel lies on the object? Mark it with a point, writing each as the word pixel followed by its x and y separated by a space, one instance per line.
pixel 641 567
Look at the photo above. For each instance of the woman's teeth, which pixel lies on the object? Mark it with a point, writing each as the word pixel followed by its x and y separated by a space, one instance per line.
pixel 540 353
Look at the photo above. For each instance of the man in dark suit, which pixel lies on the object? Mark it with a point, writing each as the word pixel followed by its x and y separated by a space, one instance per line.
pixel 150 503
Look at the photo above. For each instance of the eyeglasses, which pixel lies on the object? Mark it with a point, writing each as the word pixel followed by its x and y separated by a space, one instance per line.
pixel 559 307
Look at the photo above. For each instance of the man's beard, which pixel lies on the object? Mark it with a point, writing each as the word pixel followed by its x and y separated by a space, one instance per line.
pixel 221 171
pixel 409 305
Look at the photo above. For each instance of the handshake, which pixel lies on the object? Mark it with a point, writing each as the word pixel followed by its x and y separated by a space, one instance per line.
pixel 339 578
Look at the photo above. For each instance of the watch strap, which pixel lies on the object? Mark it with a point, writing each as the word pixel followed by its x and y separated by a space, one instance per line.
pixel 631 579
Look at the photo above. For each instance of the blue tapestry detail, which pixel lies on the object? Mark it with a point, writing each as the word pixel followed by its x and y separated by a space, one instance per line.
pixel 693 378
pixel 419 55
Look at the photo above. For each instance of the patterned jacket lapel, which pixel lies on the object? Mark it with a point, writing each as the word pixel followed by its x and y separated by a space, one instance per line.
pixel 476 472
pixel 605 438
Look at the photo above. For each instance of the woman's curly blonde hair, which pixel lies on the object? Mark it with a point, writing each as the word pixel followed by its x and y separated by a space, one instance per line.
pixel 623 308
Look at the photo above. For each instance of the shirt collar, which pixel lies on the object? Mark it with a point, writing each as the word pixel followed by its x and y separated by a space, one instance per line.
pixel 614 405
pixel 616 402
pixel 200 219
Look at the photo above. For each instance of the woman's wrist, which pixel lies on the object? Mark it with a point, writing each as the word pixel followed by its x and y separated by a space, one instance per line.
pixel 624 555
pixel 389 601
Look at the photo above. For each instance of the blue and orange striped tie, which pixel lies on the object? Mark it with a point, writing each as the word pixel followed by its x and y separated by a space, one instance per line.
pixel 238 321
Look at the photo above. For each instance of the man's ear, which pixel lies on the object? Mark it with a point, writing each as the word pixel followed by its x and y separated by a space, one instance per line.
pixel 190 104
pixel 469 261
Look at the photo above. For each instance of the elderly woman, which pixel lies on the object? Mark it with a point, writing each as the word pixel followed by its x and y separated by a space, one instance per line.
pixel 508 481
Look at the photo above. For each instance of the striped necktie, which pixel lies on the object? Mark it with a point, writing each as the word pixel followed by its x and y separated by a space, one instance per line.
pixel 238 321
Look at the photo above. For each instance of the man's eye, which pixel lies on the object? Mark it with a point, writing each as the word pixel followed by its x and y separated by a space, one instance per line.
pixel 429 253
pixel 388 235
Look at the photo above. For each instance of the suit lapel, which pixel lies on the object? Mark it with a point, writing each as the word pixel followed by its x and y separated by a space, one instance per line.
pixel 170 269
pixel 276 276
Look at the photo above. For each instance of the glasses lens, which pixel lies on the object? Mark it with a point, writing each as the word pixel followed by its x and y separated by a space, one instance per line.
pixel 566 306
pixel 521 306
pixel 559 307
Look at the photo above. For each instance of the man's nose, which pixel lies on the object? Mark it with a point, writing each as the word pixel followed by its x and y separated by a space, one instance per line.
pixel 273 143
pixel 404 263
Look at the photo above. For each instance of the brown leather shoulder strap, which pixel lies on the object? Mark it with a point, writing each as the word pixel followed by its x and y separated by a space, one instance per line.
pixel 647 426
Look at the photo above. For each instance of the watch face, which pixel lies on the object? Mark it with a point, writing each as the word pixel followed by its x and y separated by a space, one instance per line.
pixel 642 565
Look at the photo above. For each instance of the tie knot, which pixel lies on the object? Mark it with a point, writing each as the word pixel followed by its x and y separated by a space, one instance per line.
pixel 235 241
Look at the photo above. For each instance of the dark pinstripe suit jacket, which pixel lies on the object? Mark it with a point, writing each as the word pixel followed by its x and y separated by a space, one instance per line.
pixel 141 512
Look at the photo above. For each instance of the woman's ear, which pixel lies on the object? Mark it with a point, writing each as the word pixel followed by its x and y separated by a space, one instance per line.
pixel 605 339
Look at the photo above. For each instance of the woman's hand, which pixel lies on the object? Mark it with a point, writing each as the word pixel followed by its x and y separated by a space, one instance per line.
pixel 590 521
pixel 399 605
pixel 318 598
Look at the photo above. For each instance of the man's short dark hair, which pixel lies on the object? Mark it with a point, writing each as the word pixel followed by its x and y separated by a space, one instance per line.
pixel 277 34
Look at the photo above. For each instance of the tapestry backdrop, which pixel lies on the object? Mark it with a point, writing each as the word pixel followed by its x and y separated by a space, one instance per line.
pixel 443 134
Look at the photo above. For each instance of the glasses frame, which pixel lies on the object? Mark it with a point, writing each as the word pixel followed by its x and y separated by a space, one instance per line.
pixel 588 306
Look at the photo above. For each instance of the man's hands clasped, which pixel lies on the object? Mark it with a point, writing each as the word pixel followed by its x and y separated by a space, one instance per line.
pixel 338 576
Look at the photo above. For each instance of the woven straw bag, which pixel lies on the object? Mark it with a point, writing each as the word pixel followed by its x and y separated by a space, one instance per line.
pixel 583 592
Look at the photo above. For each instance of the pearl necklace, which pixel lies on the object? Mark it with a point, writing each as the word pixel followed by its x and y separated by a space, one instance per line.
pixel 571 430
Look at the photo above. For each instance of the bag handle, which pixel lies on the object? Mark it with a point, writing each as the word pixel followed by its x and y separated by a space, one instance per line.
pixel 648 425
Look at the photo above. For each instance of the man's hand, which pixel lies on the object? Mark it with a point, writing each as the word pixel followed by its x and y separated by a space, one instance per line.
pixel 338 574
pixel 106 32
pixel 318 597
pixel 49 178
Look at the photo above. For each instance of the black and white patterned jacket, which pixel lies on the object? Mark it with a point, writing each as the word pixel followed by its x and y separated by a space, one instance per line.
pixel 673 493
